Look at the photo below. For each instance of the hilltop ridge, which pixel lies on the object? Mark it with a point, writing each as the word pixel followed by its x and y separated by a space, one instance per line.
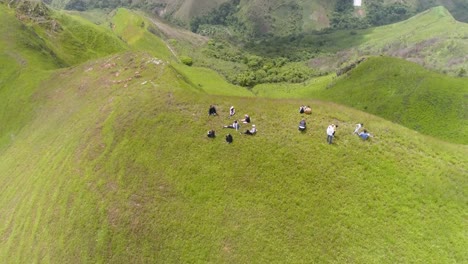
pixel 119 169
pixel 104 157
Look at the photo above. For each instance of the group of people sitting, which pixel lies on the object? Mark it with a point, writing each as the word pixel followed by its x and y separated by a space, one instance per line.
pixel 305 110
pixel 331 129
pixel 235 125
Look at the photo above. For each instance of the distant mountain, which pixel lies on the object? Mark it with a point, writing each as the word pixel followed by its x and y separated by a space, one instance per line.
pixel 275 17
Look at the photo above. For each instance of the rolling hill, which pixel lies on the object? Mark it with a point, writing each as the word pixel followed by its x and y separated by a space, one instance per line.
pixel 107 160
pixel 400 91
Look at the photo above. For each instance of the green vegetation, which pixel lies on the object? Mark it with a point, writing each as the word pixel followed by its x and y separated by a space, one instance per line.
pixel 186 60
pixel 433 39
pixel 377 14
pixel 134 30
pixel 125 173
pixel 24 62
pixel 107 161
pixel 400 91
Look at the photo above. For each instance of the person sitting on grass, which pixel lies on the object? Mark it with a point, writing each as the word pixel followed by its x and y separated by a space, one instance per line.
pixel 212 110
pixel 246 120
pixel 229 138
pixel 234 125
pixel 358 126
pixel 232 111
pixel 301 109
pixel 302 125
pixel 211 133
pixel 252 131
pixel 364 135
pixel 307 110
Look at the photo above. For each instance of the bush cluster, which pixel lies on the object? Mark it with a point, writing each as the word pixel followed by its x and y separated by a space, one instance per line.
pixel 257 69
pixel 377 14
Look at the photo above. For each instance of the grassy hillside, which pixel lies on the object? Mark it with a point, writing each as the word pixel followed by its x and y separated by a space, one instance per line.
pixel 25 61
pixel 405 93
pixel 116 170
pixel 400 91
pixel 77 40
pixel 107 161
pixel 432 39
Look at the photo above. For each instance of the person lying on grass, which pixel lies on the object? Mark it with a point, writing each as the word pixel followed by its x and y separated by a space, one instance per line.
pixel 234 125
pixel 364 135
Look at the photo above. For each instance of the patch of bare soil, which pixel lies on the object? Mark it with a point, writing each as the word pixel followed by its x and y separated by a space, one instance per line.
pixel 171 32
pixel 179 34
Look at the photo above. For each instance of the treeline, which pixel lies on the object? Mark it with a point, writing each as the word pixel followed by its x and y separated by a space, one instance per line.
pixel 83 5
pixel 224 15
pixel 377 14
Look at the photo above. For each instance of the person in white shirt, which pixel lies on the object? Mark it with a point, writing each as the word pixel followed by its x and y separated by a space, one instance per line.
pixel 252 131
pixel 234 125
pixel 330 133
pixel 358 126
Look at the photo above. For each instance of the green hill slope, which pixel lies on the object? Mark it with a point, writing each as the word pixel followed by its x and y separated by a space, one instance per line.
pixel 397 90
pixel 25 61
pixel 119 169
pixel 108 161
pixel 71 39
pixel 433 39
pixel 406 93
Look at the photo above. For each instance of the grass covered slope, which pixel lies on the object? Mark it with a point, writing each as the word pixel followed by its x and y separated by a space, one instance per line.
pixel 406 93
pixel 25 60
pixel 71 39
pixel 433 39
pixel 397 90
pixel 112 169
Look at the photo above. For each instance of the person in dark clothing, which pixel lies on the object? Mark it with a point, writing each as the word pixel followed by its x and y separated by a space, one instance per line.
pixel 229 138
pixel 211 133
pixel 301 109
pixel 302 125
pixel 246 120
pixel 212 110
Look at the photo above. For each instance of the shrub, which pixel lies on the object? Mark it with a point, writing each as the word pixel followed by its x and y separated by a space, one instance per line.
pixel 186 60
